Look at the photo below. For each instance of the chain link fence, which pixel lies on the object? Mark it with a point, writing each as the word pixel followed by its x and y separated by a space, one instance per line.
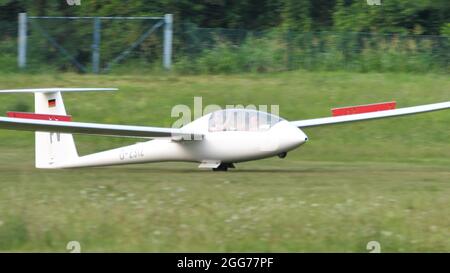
pixel 67 45
pixel 213 50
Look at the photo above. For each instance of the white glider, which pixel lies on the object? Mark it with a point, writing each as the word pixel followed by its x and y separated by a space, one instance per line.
pixel 216 140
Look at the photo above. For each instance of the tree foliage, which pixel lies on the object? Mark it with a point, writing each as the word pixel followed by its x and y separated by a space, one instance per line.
pixel 399 16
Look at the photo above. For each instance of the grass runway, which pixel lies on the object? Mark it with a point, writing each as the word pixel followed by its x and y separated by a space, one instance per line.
pixel 385 180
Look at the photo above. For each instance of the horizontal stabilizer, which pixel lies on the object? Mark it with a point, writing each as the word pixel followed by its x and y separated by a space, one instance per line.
pixel 55 89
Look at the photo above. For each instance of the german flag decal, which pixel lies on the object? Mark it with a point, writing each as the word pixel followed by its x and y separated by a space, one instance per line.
pixel 52 103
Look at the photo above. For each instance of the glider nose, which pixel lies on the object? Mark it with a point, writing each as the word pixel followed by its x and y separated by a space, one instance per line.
pixel 300 136
pixel 304 136
pixel 282 138
pixel 293 137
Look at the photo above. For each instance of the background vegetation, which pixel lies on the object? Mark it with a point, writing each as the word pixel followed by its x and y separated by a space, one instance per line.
pixel 261 36
pixel 393 16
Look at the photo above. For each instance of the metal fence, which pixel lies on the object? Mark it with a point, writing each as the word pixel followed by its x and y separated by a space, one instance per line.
pixel 93 44
pixel 71 45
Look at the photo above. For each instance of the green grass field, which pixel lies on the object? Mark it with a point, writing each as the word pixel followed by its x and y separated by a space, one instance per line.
pixel 385 180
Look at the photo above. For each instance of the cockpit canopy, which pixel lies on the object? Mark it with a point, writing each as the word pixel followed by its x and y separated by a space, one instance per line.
pixel 241 120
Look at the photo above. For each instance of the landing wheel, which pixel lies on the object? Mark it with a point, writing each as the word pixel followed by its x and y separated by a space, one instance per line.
pixel 223 167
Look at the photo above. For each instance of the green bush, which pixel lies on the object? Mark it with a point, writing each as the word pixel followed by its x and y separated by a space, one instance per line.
pixel 255 54
pixel 361 52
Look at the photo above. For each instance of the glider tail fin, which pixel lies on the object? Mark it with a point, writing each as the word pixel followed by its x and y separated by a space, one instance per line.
pixel 52 148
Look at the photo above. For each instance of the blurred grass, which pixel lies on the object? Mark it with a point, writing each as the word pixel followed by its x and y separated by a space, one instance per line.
pixel 385 180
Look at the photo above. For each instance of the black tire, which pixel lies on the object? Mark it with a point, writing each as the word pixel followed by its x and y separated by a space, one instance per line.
pixel 223 167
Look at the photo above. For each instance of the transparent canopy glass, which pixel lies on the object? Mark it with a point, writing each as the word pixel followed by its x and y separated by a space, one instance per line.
pixel 241 120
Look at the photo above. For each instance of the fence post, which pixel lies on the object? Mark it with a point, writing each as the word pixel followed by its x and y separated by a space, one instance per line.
pixel 167 54
pixel 22 41
pixel 96 46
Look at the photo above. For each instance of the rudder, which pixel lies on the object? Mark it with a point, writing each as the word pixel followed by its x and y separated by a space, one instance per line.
pixel 52 148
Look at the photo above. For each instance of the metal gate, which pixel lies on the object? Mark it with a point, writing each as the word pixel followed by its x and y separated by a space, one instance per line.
pixel 165 22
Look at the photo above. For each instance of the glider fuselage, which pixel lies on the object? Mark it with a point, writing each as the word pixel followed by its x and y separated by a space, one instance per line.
pixel 224 146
